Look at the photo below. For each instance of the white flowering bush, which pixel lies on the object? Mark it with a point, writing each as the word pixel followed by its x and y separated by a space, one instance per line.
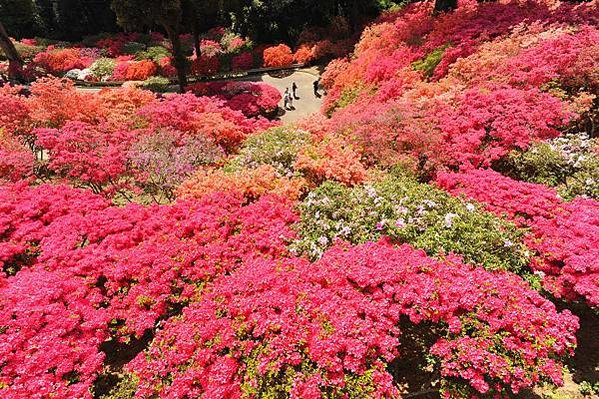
pixel 103 67
pixel 570 163
pixel 408 212
pixel 277 147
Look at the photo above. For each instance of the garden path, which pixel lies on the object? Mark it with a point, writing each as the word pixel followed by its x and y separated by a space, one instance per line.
pixel 307 103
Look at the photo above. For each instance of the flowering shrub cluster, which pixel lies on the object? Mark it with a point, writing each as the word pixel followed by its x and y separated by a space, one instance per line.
pixel 466 88
pixel 16 161
pixel 251 183
pixel 204 115
pixel 251 98
pixel 564 235
pixel 278 56
pixel 569 163
pixel 413 213
pixel 300 330
pixel 76 271
pixel 184 245
pixel 125 142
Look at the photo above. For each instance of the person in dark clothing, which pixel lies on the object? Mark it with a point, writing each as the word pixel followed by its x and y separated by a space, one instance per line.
pixel 315 84
pixel 294 91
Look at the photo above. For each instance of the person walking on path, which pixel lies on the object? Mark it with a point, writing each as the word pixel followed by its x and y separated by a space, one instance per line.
pixel 316 84
pixel 290 101
pixel 286 98
pixel 294 90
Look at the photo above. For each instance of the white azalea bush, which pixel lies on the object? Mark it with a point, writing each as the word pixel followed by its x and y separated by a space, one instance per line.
pixel 409 212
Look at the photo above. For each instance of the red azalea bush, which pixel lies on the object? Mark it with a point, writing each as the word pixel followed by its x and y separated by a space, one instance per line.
pixel 87 153
pixel 277 56
pixel 304 54
pixel 16 161
pixel 330 159
pixel 251 98
pixel 205 65
pixel 141 70
pixel 564 235
pixel 293 328
pixel 134 70
pixel 54 101
pixel 484 82
pixel 58 61
pixel 252 183
pixel 242 61
pixel 14 112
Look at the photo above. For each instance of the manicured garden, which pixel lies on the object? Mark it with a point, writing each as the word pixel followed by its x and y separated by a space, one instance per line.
pixel 434 232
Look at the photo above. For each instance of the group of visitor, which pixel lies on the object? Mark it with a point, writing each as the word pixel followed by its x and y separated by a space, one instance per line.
pixel 290 96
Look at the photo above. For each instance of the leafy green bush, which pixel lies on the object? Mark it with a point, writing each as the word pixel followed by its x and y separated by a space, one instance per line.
pixel 27 52
pixel 102 67
pixel 408 212
pixel 157 84
pixel 155 53
pixel 125 389
pixel 428 64
pixel 569 163
pixel 277 147
pixel 132 48
pixel 347 97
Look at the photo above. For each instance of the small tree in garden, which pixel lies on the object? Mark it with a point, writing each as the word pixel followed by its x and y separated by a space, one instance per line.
pixel 168 14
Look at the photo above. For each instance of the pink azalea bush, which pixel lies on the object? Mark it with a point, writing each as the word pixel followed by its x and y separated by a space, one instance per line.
pixel 564 235
pixel 103 272
pixel 253 99
pixel 333 327
pixel 463 89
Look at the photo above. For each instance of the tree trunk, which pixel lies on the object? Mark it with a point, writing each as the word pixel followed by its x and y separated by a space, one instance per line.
pixel 196 37
pixel 15 62
pixel 445 5
pixel 180 60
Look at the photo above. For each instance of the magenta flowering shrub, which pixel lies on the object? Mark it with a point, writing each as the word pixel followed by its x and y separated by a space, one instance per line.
pixel 204 115
pixel 564 235
pixel 77 272
pixel 470 85
pixel 251 98
pixel 242 61
pixel 293 328
pixel 90 154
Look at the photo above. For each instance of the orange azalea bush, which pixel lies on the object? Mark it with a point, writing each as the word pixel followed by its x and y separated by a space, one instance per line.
pixel 278 56
pixel 331 159
pixel 251 183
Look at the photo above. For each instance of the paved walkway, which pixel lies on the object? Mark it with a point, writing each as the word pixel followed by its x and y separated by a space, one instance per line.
pixel 307 103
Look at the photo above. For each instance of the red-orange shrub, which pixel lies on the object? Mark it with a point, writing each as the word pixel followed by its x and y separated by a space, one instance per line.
pixel 278 56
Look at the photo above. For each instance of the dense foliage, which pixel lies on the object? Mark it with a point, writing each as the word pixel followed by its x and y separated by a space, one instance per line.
pixel 432 229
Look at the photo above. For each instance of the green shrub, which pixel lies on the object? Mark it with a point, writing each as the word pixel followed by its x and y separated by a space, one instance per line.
pixel 428 64
pixel 408 212
pixel 125 389
pixel 92 40
pixel 347 97
pixel 133 48
pixel 27 52
pixel 277 147
pixel 588 388
pixel 569 163
pixel 155 53
pixel 102 67
pixel 157 84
